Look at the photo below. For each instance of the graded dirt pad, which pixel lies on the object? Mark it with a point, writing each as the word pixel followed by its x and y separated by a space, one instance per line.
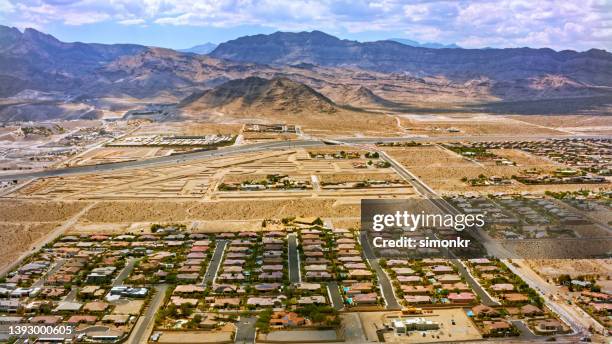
pixel 474 125
pixel 569 121
pixel 255 136
pixel 357 177
pixel 175 337
pixel 105 155
pixel 12 210
pixel 189 128
pixel 443 170
pixel 551 268
pixel 16 238
pixel 168 211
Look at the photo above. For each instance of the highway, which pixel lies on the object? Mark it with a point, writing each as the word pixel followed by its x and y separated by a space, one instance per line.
pixel 164 160
pixel 259 147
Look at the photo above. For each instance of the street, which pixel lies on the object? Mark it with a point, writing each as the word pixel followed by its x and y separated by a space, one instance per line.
pixel 215 262
pixel 144 325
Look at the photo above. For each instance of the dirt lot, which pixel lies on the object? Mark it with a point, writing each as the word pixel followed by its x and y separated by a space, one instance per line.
pixel 38 211
pixel 16 238
pixel 193 128
pixel 188 337
pixel 443 170
pixel 127 211
pixel 357 177
pixel 107 155
pixel 131 307
pixel 550 268
pixel 475 125
pixel 462 330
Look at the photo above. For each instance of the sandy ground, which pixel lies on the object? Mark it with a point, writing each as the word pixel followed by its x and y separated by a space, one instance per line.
pixel 16 238
pixel 475 125
pixel 550 268
pixel 462 330
pixel 185 337
pixel 443 170
pixel 132 307
pixel 37 211
pixel 128 211
pixel 192 128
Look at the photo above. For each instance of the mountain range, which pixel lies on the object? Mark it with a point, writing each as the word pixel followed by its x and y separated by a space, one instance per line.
pixel 38 72
pixel 202 49
pixel 431 45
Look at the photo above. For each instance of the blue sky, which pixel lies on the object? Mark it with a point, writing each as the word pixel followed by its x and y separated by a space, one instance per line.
pixel 577 25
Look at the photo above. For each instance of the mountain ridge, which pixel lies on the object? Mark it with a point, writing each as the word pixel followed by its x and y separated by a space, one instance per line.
pixel 281 48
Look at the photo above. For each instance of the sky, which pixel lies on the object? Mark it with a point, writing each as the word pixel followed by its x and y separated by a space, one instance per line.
pixel 563 24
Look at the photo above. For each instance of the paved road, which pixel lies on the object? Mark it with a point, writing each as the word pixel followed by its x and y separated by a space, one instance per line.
pixel 125 272
pixel 573 317
pixel 179 158
pixel 41 281
pixel 383 280
pixel 335 296
pixel 245 330
pixel 294 259
pixel 485 298
pixel 258 147
pixel 215 262
pixel 144 325
pixel 353 331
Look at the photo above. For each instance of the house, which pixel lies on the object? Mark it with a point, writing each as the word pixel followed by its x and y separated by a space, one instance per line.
pixel 46 319
pixel 82 319
pixel 117 319
pixel 463 297
pixel 129 291
pixel 417 299
pixel 531 310
pixel 309 300
pixel 95 306
pixel 484 311
pixel 9 306
pixel 226 302
pixel 189 277
pixel 178 301
pixel 442 269
pixel 402 326
pixel 403 271
pixel 188 289
pixel 267 287
pixel 499 326
pixel 65 306
pixel 101 275
pixel 286 319
pixel 364 299
pixel 549 326
pixel 6 320
pixel 417 289
pixel 449 278
pixel 500 287
pixel 264 301
pixel 360 274
pixel 409 279
pixel 514 298
pixel 308 286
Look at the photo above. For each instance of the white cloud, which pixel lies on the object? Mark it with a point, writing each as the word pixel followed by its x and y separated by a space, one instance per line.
pixel 558 24
pixel 137 21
